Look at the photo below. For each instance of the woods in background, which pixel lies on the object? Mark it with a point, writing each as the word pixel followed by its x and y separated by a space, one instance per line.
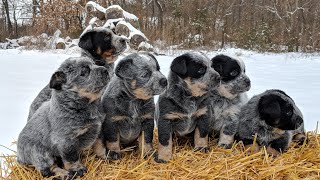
pixel 264 25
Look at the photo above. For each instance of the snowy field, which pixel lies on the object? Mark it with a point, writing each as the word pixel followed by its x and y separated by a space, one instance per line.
pixel 24 73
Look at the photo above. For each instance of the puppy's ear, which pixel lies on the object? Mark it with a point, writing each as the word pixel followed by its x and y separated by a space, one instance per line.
pixel 123 69
pixel 179 66
pixel 57 79
pixel 269 108
pixel 85 41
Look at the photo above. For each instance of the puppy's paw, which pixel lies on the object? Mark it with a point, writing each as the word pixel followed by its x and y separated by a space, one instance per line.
pixel 156 159
pixel 300 139
pixel 225 146
pixel 112 155
pixel 202 149
pixel 46 172
pixel 77 172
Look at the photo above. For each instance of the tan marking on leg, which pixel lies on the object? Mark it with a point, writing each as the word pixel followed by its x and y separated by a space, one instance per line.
pixel 141 93
pixel 99 149
pixel 119 118
pixel 200 142
pixel 62 173
pixel 147 116
pixel 225 139
pixel 201 112
pixel 175 116
pixel 197 88
pixel 80 132
pixel 165 152
pixel 252 148
pixel 144 148
pixel 273 152
pixel 72 166
pixel 223 91
pixel 114 146
pixel 298 137
pixel 278 131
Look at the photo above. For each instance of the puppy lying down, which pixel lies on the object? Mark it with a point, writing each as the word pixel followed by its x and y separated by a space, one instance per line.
pixel 66 124
pixel 275 120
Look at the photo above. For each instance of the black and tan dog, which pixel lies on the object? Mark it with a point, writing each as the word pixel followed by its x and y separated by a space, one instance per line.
pixel 99 44
pixel 275 120
pixel 128 103
pixel 183 108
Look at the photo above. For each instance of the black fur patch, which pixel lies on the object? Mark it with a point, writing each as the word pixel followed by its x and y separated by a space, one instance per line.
pixel 185 67
pixel 123 68
pixel 57 79
pixel 92 40
pixel 227 67
pixel 277 112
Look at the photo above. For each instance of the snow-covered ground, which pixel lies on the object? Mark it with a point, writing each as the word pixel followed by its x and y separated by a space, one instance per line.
pixel 24 73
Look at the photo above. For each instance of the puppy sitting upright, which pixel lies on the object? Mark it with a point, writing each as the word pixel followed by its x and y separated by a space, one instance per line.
pixel 228 98
pixel 128 103
pixel 66 124
pixel 99 44
pixel 274 118
pixel 183 108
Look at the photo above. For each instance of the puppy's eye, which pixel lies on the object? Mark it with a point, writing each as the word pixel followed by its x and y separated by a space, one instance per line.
pixel 289 113
pixel 85 71
pixel 234 73
pixel 107 38
pixel 145 75
pixel 201 70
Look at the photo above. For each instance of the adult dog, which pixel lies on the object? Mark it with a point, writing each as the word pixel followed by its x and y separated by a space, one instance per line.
pixel 99 44
pixel 66 124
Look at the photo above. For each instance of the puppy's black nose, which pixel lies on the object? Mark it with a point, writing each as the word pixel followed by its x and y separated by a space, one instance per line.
pixel 248 82
pixel 163 82
pixel 123 41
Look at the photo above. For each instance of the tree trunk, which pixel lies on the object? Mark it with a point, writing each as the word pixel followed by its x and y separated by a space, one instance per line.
pixel 6 8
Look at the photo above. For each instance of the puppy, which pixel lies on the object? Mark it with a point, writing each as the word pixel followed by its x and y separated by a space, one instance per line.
pixel 99 44
pixel 228 98
pixel 128 103
pixel 184 107
pixel 66 124
pixel 274 118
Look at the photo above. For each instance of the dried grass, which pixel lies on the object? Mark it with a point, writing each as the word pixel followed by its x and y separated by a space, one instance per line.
pixel 301 162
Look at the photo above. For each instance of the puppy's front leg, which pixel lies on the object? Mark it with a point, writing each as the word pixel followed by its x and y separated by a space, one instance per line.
pixel 201 133
pixel 112 137
pixel 227 133
pixel 165 141
pixel 279 145
pixel 71 160
pixel 145 144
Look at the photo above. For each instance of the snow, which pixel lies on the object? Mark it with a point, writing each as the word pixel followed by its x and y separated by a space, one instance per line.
pixel 24 73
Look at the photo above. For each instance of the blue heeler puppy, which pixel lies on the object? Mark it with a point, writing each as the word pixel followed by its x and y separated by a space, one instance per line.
pixel 99 44
pixel 128 103
pixel 184 107
pixel 274 118
pixel 227 99
pixel 67 123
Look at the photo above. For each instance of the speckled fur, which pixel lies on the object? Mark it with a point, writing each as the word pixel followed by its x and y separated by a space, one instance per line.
pixel 226 102
pixel 66 124
pixel 128 103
